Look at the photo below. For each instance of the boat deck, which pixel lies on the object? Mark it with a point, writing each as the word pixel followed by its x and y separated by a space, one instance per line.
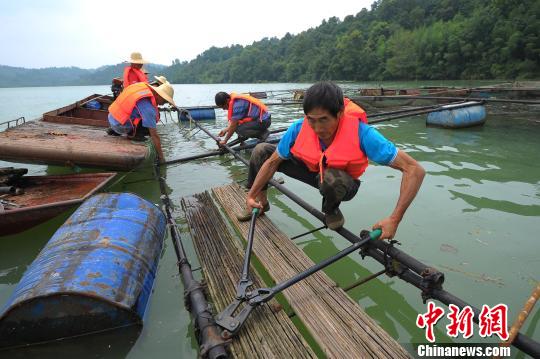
pixel 69 144
pixel 339 326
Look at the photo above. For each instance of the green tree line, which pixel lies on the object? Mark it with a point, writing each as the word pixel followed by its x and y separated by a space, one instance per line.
pixel 65 76
pixel 395 40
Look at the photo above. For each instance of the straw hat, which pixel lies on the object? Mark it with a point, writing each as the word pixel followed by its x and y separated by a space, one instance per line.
pixel 161 79
pixel 166 91
pixel 136 58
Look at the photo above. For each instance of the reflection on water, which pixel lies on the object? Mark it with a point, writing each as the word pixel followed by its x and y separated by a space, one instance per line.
pixel 105 345
pixel 475 218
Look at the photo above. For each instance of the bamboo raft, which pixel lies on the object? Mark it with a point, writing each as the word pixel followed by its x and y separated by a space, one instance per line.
pixel 338 325
pixel 269 333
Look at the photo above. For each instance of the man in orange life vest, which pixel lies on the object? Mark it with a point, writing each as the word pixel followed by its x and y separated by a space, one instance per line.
pixel 247 116
pixel 134 73
pixel 135 111
pixel 329 149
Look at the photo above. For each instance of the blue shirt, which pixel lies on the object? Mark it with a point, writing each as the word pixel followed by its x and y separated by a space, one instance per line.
pixel 376 147
pixel 241 108
pixel 144 110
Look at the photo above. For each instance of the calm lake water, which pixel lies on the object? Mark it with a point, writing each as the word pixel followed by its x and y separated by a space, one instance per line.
pixel 476 218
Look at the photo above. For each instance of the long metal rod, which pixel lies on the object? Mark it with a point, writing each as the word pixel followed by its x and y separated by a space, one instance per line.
pixel 326 262
pixel 309 232
pixel 249 246
pixel 412 109
pixel 214 153
pixel 522 342
pixel 407 97
pixel 364 280
pixel 211 343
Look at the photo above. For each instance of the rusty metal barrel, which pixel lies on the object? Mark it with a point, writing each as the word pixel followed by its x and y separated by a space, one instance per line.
pixel 95 274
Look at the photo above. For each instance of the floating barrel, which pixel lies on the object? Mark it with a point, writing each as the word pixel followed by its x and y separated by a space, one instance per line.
pixel 93 105
pixel 198 114
pixel 96 273
pixel 461 115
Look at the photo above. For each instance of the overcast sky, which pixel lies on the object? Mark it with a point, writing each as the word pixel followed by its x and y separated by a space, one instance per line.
pixel 89 34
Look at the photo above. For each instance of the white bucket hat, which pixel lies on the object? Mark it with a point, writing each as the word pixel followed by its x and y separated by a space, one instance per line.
pixel 136 58
pixel 161 79
pixel 166 91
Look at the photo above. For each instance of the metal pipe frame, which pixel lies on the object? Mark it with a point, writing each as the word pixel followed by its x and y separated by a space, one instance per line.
pixel 414 268
pixel 212 345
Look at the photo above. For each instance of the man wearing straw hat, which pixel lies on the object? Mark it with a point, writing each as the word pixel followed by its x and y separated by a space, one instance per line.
pixel 135 112
pixel 159 80
pixel 134 73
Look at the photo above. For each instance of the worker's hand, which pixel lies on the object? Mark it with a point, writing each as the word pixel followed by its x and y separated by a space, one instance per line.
pixel 388 226
pixel 251 202
pixel 222 143
pixel 222 132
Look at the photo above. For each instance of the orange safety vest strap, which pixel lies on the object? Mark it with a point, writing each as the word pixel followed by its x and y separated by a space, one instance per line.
pixel 344 152
pixel 252 101
pixel 352 109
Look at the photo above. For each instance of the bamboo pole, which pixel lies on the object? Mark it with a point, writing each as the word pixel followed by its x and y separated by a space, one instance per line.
pixel 402 97
pixel 522 316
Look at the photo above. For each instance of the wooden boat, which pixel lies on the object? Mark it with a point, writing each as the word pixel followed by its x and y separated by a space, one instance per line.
pixel 70 144
pixel 45 197
pixel 380 92
pixel 72 135
pixel 443 91
pixel 90 111
pixel 259 95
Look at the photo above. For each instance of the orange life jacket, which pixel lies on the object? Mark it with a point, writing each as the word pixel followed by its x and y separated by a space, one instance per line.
pixel 343 153
pixel 133 75
pixel 123 106
pixel 252 102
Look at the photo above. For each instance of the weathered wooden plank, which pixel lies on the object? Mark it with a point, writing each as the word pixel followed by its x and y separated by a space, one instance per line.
pixel 340 327
pixel 53 143
pixel 269 333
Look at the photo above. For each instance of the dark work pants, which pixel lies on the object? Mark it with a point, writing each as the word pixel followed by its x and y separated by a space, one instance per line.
pixel 337 185
pixel 254 129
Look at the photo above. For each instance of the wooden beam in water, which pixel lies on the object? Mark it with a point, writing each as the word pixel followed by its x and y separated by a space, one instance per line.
pixel 338 324
pixel 268 333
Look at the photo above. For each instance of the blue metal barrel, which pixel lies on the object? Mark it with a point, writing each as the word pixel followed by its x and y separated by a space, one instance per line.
pixel 96 273
pixel 198 114
pixel 467 114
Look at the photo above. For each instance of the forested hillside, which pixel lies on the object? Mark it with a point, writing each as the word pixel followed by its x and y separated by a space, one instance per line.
pixel 395 40
pixel 64 76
